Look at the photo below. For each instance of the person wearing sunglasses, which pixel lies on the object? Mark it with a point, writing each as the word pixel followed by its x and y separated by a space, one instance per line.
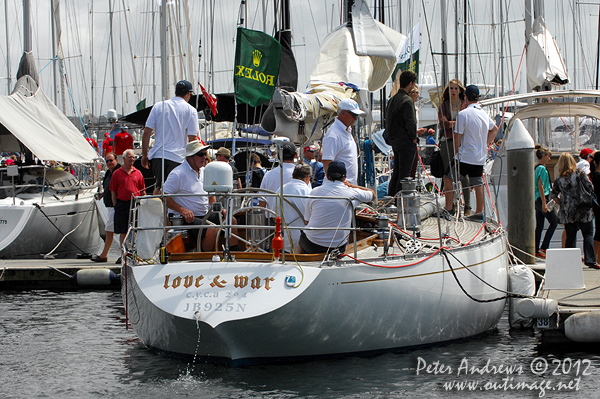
pixel 112 165
pixel 188 178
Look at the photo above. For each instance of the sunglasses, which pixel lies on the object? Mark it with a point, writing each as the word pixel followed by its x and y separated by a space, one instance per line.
pixel 200 154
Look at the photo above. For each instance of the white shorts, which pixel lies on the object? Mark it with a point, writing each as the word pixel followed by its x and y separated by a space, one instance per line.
pixel 110 223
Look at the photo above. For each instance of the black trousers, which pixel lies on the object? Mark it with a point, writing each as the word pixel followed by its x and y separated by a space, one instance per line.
pixel 404 156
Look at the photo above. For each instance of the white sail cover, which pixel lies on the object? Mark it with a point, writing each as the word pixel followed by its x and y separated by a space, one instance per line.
pixel 364 55
pixel 544 62
pixel 37 123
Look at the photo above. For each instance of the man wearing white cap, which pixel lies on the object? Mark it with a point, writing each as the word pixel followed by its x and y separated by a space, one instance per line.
pixel 338 143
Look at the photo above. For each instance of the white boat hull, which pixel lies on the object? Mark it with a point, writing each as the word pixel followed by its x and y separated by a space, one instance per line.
pixel 353 308
pixel 25 232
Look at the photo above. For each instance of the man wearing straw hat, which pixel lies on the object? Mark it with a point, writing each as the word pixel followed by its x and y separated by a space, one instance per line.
pixel 188 178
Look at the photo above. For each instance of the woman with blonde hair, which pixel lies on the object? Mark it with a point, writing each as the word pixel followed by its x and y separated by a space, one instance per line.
pixel 542 191
pixel 453 101
pixel 570 213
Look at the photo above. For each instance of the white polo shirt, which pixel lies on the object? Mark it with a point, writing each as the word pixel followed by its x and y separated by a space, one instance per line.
pixel 473 124
pixel 332 213
pixel 184 180
pixel 272 181
pixel 291 217
pixel 338 145
pixel 180 121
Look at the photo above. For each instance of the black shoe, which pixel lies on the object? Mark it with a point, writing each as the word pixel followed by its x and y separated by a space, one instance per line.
pixel 97 258
pixel 594 266
pixel 118 262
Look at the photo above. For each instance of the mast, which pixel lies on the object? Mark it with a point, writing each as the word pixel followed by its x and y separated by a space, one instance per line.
pixel 382 92
pixel 501 49
pixel 528 27
pixel 8 76
pixel 494 45
pixel 456 41
pixel 58 65
pixel 445 73
pixel 575 52
pixel 465 36
pixel 26 26
pixel 188 30
pixel 164 65
pixel 92 56
pixel 153 57
pixel 112 50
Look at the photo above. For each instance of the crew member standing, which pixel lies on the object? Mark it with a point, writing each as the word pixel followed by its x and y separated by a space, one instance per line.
pixel 473 133
pixel 179 119
pixel 126 182
pixel 401 128
pixel 123 141
pixel 338 143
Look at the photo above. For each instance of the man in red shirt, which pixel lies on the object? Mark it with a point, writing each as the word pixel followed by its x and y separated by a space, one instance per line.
pixel 123 141
pixel 93 143
pixel 127 181
pixel 107 144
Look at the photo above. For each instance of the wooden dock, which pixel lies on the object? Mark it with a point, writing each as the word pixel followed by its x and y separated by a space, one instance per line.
pixel 571 302
pixel 55 274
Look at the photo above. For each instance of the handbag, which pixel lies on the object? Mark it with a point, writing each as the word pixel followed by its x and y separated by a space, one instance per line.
pixel 587 199
pixel 436 165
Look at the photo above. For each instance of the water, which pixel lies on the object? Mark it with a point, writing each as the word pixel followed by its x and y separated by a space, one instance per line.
pixel 76 345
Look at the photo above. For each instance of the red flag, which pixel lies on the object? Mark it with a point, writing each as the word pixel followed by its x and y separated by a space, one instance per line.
pixel 210 100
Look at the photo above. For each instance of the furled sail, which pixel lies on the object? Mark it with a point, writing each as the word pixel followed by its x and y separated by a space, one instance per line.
pixel 544 62
pixel 351 59
pixel 364 54
pixel 37 123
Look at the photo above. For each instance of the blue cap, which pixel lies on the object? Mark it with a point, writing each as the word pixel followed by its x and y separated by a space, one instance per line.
pixel 336 170
pixel 472 92
pixel 183 87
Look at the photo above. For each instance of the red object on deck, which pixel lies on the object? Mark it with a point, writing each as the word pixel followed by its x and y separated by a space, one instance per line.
pixel 277 240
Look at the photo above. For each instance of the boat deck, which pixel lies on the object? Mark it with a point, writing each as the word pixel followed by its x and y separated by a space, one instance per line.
pixel 370 246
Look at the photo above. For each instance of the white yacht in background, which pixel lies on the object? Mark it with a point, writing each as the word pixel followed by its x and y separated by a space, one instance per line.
pixel 44 208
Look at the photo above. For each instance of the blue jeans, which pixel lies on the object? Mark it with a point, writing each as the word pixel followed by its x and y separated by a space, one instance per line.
pixel 540 216
pixel 587 230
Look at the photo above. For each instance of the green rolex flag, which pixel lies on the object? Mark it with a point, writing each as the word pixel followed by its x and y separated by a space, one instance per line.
pixel 257 57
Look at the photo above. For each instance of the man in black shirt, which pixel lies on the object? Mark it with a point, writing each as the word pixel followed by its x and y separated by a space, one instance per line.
pixel 401 127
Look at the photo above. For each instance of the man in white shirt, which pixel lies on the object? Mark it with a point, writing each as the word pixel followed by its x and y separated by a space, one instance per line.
pixel 180 121
pixel 331 213
pixel 338 143
pixel 473 133
pixel 272 180
pixel 188 178
pixel 299 185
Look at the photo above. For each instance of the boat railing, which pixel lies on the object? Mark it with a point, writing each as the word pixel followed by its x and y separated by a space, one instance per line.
pixel 18 179
pixel 229 225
